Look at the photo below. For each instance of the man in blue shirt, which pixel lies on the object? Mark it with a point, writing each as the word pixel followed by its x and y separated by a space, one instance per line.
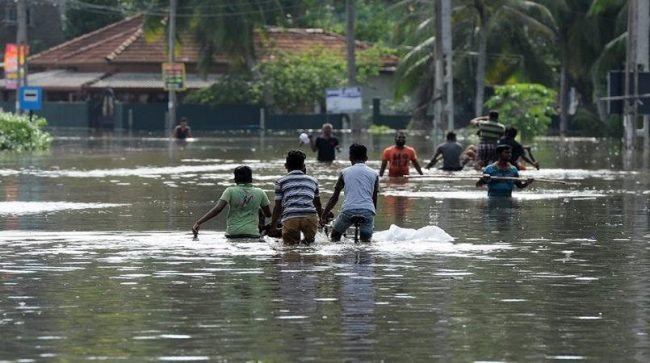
pixel 501 176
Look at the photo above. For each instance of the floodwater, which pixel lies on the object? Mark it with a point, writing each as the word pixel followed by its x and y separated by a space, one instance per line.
pixel 97 262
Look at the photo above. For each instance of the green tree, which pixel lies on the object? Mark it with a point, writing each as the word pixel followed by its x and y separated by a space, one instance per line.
pixel 486 17
pixel 415 72
pixel 588 41
pixel 510 26
pixel 529 107
pixel 84 17
pixel 375 20
pixel 223 26
pixel 296 81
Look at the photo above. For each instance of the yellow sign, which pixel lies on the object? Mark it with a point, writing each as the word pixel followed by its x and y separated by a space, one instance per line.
pixel 173 76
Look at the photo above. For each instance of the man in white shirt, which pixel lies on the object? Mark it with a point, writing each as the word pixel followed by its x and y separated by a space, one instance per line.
pixel 360 184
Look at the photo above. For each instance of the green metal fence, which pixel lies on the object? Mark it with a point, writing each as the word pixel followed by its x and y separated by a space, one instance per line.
pixel 152 117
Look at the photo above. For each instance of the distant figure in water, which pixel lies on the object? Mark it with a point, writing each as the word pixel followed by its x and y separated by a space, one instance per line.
pixel 297 202
pixel 326 144
pixel 244 202
pixel 398 156
pixel 518 151
pixel 450 152
pixel 469 156
pixel 501 176
pixel 182 131
pixel 360 185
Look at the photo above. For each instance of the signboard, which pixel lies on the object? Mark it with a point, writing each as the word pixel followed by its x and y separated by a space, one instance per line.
pixel 173 76
pixel 616 87
pixel 30 98
pixel 14 60
pixel 340 100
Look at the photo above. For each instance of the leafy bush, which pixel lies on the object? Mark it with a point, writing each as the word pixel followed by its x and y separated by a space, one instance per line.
pixel 527 106
pixel 232 89
pixel 19 134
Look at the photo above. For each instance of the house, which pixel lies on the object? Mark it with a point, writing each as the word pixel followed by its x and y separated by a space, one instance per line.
pixel 118 62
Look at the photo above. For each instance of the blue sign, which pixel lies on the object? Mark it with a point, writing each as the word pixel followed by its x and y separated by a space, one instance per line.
pixel 31 98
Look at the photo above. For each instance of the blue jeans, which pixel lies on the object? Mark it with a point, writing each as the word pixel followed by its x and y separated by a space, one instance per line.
pixel 344 221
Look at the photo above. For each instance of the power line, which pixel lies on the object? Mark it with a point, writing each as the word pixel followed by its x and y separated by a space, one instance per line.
pixel 93 8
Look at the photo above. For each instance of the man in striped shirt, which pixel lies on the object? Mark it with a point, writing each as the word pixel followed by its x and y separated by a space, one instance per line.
pixel 490 131
pixel 297 202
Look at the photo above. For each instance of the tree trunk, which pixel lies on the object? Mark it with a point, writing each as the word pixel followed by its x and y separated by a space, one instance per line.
pixel 481 62
pixel 564 99
pixel 422 101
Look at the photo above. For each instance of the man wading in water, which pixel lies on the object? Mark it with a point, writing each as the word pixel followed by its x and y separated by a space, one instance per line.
pixel 360 185
pixel 397 157
pixel 325 144
pixel 297 202
pixel 450 152
pixel 244 201
pixel 518 151
pixel 490 131
pixel 501 176
pixel 182 131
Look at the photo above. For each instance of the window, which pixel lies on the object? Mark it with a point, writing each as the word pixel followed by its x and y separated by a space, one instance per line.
pixel 11 16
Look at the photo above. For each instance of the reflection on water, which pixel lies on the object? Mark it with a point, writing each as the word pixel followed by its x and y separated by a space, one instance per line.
pixel 97 261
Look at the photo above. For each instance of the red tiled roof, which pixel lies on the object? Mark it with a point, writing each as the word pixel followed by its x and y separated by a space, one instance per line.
pixel 124 43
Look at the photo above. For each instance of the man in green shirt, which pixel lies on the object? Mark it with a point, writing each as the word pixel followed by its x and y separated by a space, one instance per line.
pixel 244 203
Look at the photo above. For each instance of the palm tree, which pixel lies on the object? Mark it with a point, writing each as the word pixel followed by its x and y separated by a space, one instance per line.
pixel 510 26
pixel 220 26
pixel 584 31
pixel 484 17
pixel 416 69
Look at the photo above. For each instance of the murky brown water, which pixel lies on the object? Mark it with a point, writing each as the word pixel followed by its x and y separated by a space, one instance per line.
pixel 97 262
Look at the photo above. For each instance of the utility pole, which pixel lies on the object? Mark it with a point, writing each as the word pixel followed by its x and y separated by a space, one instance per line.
pixel 629 105
pixel 21 44
pixel 638 26
pixel 171 104
pixel 350 42
pixel 443 93
pixel 642 54
pixel 351 47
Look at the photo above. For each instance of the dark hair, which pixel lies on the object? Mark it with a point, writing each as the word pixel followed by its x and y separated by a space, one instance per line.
pixel 295 160
pixel 243 174
pixel 501 148
pixel 358 152
pixel 511 132
pixel 183 119
pixel 451 136
pixel 493 115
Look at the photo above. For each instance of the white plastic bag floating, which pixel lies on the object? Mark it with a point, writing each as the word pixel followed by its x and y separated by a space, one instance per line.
pixel 428 233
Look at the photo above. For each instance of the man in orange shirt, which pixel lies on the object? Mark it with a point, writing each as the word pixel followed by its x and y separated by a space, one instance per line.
pixel 399 156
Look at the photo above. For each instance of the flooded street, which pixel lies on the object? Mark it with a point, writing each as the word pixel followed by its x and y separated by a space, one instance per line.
pixel 97 261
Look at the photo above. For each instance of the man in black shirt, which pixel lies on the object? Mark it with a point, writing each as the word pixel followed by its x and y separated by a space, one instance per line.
pixel 326 144
pixel 517 150
pixel 182 131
